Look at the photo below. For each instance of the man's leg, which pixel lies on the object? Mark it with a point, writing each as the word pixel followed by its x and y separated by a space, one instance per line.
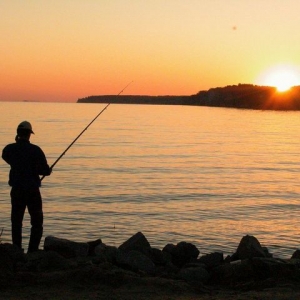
pixel 35 209
pixel 18 206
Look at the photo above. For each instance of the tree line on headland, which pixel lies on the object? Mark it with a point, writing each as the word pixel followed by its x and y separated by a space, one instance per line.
pixel 246 96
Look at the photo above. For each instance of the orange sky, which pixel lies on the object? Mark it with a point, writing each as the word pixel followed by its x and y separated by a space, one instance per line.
pixel 62 50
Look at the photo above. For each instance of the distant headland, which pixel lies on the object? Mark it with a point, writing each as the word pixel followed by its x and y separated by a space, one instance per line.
pixel 246 96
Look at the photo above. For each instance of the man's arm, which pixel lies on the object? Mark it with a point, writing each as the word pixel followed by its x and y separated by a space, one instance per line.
pixel 43 167
pixel 5 155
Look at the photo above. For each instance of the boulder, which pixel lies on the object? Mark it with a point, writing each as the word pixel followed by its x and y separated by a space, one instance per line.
pixel 267 253
pixel 256 269
pixel 159 257
pixel 182 253
pixel 47 261
pixel 15 252
pixel 6 263
pixel 66 248
pixel 273 268
pixel 296 254
pixel 137 242
pixel 11 258
pixel 93 245
pixel 194 275
pixel 249 247
pixel 135 261
pixel 108 253
pixel 212 260
pixel 232 273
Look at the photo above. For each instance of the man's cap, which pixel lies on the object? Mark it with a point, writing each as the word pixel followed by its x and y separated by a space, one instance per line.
pixel 25 125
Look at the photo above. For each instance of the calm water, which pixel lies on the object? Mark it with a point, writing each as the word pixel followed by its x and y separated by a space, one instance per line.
pixel 203 175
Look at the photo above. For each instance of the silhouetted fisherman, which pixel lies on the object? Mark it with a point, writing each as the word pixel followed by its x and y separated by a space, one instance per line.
pixel 27 162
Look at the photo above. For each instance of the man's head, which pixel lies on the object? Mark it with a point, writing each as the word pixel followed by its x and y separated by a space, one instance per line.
pixel 24 129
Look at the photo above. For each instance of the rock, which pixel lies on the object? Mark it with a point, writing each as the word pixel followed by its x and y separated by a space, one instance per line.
pixel 135 261
pixel 15 252
pixel 169 248
pixel 182 253
pixel 194 275
pixel 296 254
pixel 108 253
pixel 11 257
pixel 232 273
pixel 93 245
pixel 47 261
pixel 249 247
pixel 99 278
pixel 137 242
pixel 6 263
pixel 95 262
pixel 255 269
pixel 66 248
pixel 169 271
pixel 267 253
pixel 159 257
pixel 272 268
pixel 212 260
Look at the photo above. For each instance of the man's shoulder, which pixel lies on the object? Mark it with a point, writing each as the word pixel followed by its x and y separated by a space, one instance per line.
pixel 12 145
pixel 36 148
pixel 33 145
pixel 21 145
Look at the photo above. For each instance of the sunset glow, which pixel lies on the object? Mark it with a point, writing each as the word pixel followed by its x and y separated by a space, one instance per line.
pixel 281 77
pixel 65 50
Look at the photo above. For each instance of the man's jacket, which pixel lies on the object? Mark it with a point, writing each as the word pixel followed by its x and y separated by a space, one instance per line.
pixel 27 162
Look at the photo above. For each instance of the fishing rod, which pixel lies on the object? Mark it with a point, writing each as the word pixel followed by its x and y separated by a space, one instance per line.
pixel 58 159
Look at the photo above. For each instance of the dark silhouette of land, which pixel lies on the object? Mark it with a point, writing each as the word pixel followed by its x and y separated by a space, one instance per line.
pixel 245 96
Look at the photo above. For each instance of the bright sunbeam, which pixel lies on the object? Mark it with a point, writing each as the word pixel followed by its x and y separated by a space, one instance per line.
pixel 282 77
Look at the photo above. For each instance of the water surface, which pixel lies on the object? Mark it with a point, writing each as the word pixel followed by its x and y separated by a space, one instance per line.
pixel 198 174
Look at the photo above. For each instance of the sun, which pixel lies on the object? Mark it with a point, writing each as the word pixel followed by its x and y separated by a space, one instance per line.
pixel 282 77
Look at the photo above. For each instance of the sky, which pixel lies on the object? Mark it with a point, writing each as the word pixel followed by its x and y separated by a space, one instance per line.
pixel 62 50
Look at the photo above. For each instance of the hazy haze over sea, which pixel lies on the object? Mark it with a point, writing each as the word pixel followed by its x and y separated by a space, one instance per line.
pixel 197 174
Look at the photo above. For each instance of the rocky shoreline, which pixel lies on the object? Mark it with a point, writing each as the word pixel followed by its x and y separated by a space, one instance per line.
pixel 176 270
